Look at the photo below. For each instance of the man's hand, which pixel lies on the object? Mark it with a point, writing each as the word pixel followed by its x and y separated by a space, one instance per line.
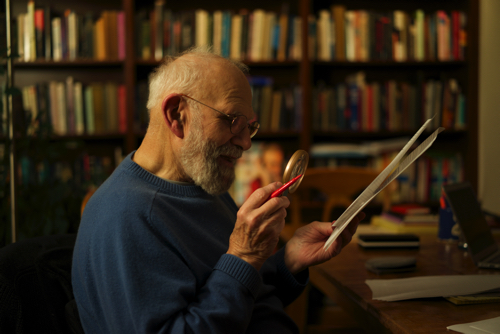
pixel 258 226
pixel 305 248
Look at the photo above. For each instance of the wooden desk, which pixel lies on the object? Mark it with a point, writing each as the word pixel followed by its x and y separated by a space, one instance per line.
pixel 343 280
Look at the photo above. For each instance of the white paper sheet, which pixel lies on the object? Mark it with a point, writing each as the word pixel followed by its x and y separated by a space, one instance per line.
pixel 431 286
pixel 490 326
pixel 382 180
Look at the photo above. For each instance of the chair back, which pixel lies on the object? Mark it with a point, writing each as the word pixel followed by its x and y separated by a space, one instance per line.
pixel 35 286
pixel 340 186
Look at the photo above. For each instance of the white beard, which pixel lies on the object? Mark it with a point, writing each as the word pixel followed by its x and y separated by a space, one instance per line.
pixel 199 160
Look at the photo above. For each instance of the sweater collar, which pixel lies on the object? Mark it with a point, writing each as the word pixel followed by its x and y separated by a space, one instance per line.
pixel 188 190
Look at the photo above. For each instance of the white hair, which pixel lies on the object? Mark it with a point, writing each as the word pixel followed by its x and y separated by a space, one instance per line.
pixel 182 76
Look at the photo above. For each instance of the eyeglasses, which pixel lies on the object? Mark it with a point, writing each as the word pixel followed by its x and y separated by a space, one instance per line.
pixel 238 122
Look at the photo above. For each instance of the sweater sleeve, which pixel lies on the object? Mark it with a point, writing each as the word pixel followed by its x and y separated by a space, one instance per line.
pixel 288 286
pixel 126 293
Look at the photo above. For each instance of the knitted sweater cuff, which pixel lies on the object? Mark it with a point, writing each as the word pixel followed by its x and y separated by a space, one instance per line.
pixel 297 281
pixel 241 271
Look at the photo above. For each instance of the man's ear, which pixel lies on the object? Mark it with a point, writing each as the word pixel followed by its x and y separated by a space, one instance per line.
pixel 173 114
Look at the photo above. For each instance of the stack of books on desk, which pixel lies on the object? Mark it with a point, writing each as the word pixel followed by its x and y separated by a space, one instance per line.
pixel 408 218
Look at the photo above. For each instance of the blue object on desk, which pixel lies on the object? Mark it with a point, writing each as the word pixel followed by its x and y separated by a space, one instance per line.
pixel 446 221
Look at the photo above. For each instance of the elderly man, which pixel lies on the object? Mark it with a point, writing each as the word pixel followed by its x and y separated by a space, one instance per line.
pixel 162 248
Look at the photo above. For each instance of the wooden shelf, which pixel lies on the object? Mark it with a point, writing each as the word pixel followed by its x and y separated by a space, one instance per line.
pixel 380 134
pixel 152 62
pixel 410 64
pixel 68 63
pixel 306 73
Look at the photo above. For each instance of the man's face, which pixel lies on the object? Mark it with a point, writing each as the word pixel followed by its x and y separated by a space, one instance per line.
pixel 210 150
pixel 201 159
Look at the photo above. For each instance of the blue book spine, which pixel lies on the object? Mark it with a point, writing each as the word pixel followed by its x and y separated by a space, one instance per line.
pixel 226 33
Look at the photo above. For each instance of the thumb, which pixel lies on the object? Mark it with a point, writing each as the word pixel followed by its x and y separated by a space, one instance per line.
pixel 325 229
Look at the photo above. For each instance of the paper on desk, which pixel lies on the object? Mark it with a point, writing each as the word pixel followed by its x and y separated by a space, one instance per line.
pixel 431 286
pixel 382 180
pixel 491 326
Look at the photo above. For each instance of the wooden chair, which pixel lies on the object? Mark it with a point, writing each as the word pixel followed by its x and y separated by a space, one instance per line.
pixel 340 186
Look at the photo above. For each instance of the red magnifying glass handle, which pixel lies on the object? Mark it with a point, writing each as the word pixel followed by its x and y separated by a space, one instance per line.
pixel 282 189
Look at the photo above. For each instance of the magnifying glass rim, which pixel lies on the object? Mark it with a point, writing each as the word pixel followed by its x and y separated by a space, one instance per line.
pixel 287 175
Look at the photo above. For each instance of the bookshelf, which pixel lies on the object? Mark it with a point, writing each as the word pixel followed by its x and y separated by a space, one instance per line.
pixel 306 72
pixel 463 69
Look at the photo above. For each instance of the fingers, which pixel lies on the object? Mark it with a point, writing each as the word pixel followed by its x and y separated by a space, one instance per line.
pixel 353 225
pixel 324 229
pixel 258 225
pixel 259 196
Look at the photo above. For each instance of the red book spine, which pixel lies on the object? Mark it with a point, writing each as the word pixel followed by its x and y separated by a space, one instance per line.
pixel 455 17
pixel 370 122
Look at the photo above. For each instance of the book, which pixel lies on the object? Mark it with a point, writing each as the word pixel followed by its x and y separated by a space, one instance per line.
pixel 226 33
pixel 20 35
pixel 402 227
pixel 410 209
pixel 158 29
pixel 47 12
pixel 29 33
pixel 89 110
pixel 325 41
pixel 492 296
pixel 78 108
pixel 338 13
pixel 99 108
pixel 122 108
pixel 120 21
pixel 217 31
pixel 257 43
pixel 87 36
pixel 283 22
pixel 415 219
pixel 70 104
pixel 73 36
pixel 201 27
pixel 54 114
pixel 61 108
pixel 43 102
pixel 382 240
pixel 40 33
pixel 111 107
pixel 236 36
pixel 391 172
pixel 112 35
pixel 277 105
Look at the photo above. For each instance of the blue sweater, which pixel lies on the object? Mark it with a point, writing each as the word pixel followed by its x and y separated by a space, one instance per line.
pixel 150 258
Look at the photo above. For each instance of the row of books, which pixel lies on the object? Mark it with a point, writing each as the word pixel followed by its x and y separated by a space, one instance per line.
pixel 408 217
pixel 45 34
pixel 358 105
pixel 72 108
pixel 276 108
pixel 254 35
pixel 421 182
pixel 367 35
pixel 84 171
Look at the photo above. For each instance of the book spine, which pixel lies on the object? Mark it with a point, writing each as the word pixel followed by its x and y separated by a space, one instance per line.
pixel 89 110
pixel 122 108
pixel 70 104
pixel 120 21
pixel 78 108
pixel 40 33
pixel 56 39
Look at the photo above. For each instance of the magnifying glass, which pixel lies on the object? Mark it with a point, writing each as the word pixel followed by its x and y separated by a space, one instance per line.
pixel 294 173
